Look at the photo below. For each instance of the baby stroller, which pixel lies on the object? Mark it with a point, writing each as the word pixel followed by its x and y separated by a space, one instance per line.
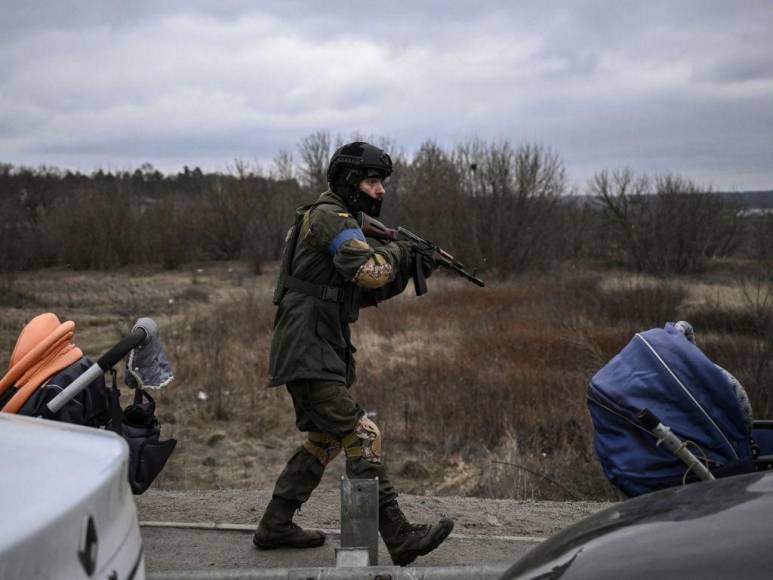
pixel 49 377
pixel 665 414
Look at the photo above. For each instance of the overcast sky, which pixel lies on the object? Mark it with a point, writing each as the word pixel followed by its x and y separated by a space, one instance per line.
pixel 655 86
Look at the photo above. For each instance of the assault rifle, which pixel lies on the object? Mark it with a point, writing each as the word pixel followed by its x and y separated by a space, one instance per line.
pixel 375 229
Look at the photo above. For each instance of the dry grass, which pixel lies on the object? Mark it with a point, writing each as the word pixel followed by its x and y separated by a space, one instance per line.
pixel 479 391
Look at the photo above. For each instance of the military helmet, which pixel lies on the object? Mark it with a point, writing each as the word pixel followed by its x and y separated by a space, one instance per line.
pixel 352 163
pixel 361 157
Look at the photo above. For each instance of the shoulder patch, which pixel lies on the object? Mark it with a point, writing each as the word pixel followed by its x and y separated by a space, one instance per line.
pixel 358 244
pixel 326 224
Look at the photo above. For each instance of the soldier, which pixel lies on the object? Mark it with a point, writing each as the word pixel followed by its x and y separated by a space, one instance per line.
pixel 329 271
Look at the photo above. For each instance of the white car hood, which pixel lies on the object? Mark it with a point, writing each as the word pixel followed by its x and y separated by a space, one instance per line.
pixel 53 478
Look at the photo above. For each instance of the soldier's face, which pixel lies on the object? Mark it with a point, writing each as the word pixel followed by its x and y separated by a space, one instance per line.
pixel 373 186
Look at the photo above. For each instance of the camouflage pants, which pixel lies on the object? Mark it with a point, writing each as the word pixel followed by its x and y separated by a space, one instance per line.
pixel 327 408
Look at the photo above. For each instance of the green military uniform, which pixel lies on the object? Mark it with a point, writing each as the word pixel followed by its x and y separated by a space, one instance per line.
pixel 329 271
pixel 311 349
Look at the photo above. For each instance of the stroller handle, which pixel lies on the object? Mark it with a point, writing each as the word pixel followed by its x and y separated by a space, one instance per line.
pixel 143 331
pixel 671 442
pixel 139 336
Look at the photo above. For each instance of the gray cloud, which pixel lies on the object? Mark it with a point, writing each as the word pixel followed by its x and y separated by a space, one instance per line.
pixel 655 86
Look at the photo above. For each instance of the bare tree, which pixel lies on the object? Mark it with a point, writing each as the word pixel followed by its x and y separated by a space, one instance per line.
pixel 582 235
pixel 758 295
pixel 622 195
pixel 315 155
pixel 283 166
pixel 668 224
pixel 513 194
pixel 433 195
pixel 12 240
pixel 761 236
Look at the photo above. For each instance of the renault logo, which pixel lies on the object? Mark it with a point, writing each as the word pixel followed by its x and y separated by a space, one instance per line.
pixel 87 550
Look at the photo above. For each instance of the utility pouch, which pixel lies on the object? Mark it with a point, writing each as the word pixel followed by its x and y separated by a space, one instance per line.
pixel 288 249
pixel 288 252
pixel 350 306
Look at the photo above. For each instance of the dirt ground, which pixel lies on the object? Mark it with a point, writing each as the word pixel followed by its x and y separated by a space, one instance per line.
pixel 247 449
pixel 234 433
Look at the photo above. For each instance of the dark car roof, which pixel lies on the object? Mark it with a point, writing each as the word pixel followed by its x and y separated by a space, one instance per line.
pixel 720 529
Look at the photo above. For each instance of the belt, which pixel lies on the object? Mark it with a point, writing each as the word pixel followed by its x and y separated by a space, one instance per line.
pixel 326 293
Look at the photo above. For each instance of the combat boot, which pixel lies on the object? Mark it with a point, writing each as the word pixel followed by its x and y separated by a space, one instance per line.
pixel 277 530
pixel 406 541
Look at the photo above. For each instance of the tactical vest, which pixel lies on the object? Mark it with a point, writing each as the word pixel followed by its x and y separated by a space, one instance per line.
pixel 345 294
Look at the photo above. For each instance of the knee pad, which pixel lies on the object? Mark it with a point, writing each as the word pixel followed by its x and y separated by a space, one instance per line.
pixel 324 447
pixel 364 442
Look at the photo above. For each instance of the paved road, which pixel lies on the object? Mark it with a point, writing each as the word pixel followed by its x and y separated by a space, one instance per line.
pixel 487 532
pixel 184 549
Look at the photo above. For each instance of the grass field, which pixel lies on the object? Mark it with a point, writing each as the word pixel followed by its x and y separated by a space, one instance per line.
pixel 478 391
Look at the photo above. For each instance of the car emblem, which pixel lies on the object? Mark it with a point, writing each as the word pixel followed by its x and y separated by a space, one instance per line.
pixel 87 551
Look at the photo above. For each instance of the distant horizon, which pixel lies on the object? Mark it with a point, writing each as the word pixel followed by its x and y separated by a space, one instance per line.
pixel 226 166
pixel 263 170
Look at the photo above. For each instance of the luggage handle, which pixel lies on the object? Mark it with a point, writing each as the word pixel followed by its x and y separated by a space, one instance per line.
pixel 140 335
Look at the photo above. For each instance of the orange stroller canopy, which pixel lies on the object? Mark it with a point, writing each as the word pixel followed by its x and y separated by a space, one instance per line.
pixel 43 349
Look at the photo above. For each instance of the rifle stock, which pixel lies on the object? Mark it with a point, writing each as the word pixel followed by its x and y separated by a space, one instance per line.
pixel 373 228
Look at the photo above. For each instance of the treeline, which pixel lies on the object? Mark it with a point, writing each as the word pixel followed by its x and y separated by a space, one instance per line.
pixel 501 207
